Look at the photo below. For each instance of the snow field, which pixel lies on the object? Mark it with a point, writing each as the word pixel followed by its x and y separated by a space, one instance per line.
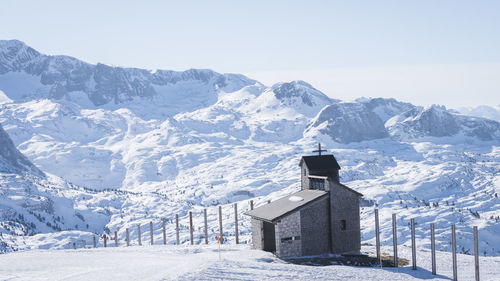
pixel 237 262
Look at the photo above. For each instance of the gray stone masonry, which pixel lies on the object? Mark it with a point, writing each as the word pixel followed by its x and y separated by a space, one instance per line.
pixel 288 227
pixel 257 234
pixel 315 228
pixel 304 174
pixel 344 205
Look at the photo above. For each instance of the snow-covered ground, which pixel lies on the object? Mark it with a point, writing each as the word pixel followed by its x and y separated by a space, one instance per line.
pixel 121 147
pixel 203 263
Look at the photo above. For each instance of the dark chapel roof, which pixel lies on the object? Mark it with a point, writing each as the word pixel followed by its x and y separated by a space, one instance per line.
pixel 320 162
pixel 286 205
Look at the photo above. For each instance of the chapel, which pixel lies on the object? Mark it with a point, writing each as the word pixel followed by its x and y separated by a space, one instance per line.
pixel 322 218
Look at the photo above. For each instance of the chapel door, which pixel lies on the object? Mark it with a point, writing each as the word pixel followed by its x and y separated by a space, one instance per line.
pixel 269 237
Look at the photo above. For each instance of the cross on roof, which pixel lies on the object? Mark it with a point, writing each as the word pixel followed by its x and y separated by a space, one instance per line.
pixel 319 149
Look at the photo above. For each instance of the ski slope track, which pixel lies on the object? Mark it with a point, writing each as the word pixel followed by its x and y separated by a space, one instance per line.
pixel 89 149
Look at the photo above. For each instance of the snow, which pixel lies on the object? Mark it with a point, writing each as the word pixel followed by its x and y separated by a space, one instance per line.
pixel 484 111
pixel 237 262
pixel 4 98
pixel 295 198
pixel 204 140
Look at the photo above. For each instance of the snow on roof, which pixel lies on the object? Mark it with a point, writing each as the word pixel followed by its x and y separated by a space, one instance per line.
pixel 281 207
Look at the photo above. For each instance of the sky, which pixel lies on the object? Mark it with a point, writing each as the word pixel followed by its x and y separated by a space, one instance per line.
pixel 424 52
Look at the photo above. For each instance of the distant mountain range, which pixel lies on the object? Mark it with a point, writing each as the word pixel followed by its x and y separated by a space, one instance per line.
pixel 119 146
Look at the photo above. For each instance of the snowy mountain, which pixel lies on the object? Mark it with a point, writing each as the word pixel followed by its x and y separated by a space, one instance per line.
pixel 32 202
pixel 349 122
pixel 484 111
pixel 122 146
pixel 13 161
pixel 385 108
pixel 436 121
pixel 63 77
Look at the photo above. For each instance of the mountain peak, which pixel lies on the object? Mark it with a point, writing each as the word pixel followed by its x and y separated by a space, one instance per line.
pixel 14 55
pixel 348 122
pixel 13 43
pixel 300 90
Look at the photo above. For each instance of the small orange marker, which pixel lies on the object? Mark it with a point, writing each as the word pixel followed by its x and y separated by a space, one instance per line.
pixel 380 255
pixel 218 242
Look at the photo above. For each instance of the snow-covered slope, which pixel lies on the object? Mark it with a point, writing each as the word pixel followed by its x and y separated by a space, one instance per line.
pixel 62 77
pixel 436 121
pixel 385 108
pixel 148 145
pixel 484 111
pixel 349 122
pixel 32 202
pixel 11 160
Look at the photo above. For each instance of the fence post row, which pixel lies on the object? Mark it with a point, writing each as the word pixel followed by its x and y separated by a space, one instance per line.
pixel 139 234
pixel 220 224
pixel 377 235
pixel 454 251
pixel 206 225
pixel 395 240
pixel 433 249
pixel 177 228
pixel 151 231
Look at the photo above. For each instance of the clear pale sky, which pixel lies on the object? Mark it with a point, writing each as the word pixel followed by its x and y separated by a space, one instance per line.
pixel 425 52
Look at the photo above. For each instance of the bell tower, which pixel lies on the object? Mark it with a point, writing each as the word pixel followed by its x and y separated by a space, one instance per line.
pixel 317 170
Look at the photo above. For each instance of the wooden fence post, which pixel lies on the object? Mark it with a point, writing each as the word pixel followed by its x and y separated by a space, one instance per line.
pixel 251 204
pixel 127 237
pixel 105 241
pixel 94 242
pixel 139 234
pixel 236 222
pixel 433 249
pixel 413 246
pixel 116 238
pixel 191 227
pixel 84 244
pixel 177 228
pixel 220 224
pixel 476 253
pixel 151 232
pixel 164 232
pixel 395 240
pixel 377 235
pixel 454 251
pixel 206 225
pixel 74 246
